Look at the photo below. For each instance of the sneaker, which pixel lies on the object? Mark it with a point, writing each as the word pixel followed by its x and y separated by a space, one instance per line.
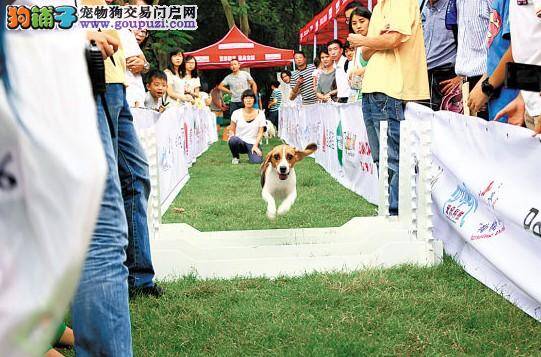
pixel 235 161
pixel 153 290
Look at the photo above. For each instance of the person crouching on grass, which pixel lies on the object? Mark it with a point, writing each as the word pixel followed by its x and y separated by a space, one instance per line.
pixel 247 127
pixel 157 89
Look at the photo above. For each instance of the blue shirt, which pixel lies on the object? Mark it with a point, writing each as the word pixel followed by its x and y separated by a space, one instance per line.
pixel 440 43
pixel 498 42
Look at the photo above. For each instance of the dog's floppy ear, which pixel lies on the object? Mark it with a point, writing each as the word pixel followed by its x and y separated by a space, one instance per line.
pixel 264 167
pixel 309 150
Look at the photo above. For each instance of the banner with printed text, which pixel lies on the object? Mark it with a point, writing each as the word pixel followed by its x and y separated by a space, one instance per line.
pixel 487 202
pixel 182 134
pixel 340 134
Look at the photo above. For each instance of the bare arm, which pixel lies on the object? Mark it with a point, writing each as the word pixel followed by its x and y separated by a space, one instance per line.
pixel 385 41
pixel 223 88
pixel 498 77
pixel 252 84
pixel 258 138
pixel 233 127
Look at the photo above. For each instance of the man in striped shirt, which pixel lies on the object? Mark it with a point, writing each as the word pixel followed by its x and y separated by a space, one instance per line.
pixel 471 58
pixel 275 102
pixel 301 80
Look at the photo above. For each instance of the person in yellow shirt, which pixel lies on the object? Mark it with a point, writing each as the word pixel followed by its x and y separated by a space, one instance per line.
pixel 396 73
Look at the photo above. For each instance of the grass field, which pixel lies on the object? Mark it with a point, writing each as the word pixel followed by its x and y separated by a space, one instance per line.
pixel 402 311
pixel 221 196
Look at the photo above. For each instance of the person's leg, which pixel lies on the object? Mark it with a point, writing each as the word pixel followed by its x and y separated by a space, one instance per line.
pixel 135 183
pixel 235 144
pixel 395 114
pixel 253 157
pixel 373 113
pixel 273 117
pixel 100 310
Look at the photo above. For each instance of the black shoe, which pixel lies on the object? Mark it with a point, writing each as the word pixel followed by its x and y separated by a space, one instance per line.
pixel 153 290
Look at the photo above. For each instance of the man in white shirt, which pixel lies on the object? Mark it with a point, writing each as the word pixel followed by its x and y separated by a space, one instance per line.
pixel 336 49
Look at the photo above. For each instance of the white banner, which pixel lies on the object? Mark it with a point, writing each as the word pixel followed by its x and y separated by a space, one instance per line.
pixel 182 134
pixel 487 202
pixel 340 134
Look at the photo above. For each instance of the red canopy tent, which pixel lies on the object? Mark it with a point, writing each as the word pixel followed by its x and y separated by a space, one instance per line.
pixel 329 23
pixel 237 45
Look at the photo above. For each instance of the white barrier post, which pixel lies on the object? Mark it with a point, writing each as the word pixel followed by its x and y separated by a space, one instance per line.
pixel 425 213
pixel 407 204
pixel 148 141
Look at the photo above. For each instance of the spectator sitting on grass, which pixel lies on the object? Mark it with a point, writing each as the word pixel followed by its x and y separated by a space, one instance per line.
pixel 247 127
pixel 157 89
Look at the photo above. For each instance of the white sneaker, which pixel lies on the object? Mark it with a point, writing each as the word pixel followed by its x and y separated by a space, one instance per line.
pixel 235 161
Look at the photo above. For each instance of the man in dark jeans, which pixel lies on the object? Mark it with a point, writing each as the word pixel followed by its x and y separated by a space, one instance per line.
pixel 440 46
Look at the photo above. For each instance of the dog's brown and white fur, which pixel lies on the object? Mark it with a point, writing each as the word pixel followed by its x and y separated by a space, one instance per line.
pixel 278 178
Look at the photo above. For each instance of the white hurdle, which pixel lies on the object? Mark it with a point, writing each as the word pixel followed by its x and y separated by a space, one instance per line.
pixel 363 242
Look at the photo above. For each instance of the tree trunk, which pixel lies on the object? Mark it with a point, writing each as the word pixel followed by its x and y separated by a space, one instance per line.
pixel 228 13
pixel 244 25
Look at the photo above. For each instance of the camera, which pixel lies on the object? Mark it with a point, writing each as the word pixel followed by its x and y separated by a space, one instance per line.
pixel 96 68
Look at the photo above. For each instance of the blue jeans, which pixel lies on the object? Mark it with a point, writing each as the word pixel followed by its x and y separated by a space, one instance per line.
pixel 380 107
pixel 135 183
pixel 100 310
pixel 238 146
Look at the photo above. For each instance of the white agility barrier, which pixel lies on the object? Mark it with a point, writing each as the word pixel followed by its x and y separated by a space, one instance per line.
pixel 380 241
pixel 487 201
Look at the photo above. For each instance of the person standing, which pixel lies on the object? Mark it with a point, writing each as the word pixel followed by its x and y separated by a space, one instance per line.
pixel 396 73
pixel 238 81
pixel 336 51
pixel 275 102
pixel 301 80
pixel 326 86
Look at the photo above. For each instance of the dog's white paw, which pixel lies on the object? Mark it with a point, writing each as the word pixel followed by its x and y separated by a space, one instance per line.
pixel 283 210
pixel 271 214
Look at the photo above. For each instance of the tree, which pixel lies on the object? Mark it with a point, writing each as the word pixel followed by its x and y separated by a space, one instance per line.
pixel 228 13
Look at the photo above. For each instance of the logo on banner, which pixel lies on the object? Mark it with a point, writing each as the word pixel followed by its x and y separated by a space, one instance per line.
pixel 529 222
pixel 324 141
pixel 367 165
pixel 339 143
pixel 496 226
pixel 460 205
pixel 350 143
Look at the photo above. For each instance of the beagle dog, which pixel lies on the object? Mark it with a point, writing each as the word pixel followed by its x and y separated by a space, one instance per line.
pixel 278 180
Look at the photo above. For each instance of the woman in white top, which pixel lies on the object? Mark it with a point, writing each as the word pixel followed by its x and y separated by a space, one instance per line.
pixel 189 74
pixel 247 126
pixel 175 84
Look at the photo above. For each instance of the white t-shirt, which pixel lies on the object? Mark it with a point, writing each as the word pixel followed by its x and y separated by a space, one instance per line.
pixel 191 84
pixel 237 84
pixel 247 131
pixel 135 90
pixel 342 83
pixel 176 82
pixel 526 43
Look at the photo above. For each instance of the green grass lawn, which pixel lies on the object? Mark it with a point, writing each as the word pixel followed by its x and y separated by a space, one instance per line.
pixel 402 311
pixel 221 196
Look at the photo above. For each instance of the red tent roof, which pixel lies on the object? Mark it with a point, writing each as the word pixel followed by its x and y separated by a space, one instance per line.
pixel 237 45
pixel 322 24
